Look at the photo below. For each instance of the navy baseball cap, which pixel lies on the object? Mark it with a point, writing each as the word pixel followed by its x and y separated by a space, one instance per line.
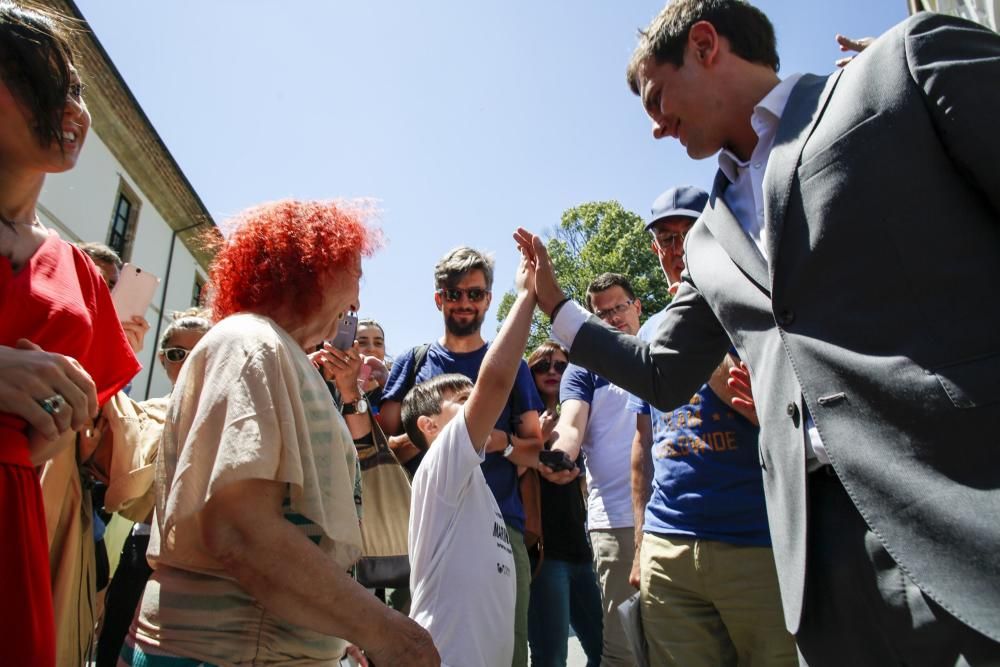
pixel 684 200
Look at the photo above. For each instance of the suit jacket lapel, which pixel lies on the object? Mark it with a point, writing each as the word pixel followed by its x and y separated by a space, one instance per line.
pixel 727 231
pixel 804 108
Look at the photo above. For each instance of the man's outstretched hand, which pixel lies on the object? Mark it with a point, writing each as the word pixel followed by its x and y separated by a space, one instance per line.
pixel 546 284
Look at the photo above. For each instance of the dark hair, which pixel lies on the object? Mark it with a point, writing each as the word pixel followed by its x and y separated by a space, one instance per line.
pixel 369 322
pixel 101 253
pixel 424 400
pixel 748 30
pixel 451 268
pixel 544 351
pixel 35 59
pixel 607 281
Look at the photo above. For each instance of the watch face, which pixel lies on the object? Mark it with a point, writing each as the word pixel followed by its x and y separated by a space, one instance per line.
pixel 362 406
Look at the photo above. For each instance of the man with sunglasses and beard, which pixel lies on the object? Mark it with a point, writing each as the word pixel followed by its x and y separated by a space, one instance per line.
pixel 463 279
pixel 593 419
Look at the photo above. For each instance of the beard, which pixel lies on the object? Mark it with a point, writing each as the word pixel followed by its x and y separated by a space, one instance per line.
pixel 470 328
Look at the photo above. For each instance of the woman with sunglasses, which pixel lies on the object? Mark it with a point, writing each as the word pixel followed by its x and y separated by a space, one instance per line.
pixel 131 492
pixel 256 523
pixel 62 350
pixel 564 591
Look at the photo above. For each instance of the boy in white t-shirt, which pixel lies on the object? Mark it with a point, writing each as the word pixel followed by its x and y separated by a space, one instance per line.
pixel 461 564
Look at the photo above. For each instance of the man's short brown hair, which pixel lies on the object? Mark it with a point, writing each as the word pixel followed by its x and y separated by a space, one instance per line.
pixel 451 268
pixel 606 281
pixel 748 30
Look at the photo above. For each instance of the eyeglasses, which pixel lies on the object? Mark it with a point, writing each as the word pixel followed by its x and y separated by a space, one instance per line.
pixel 175 354
pixel 616 310
pixel 544 366
pixel 671 240
pixel 454 294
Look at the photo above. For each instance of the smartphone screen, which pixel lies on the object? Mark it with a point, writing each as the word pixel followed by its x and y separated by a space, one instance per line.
pixel 346 331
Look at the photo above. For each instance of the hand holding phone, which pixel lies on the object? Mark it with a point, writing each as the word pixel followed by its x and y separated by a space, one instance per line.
pixel 347 329
pixel 556 460
pixel 133 294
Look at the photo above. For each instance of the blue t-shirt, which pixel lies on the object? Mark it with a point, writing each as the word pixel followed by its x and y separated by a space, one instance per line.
pixel 501 474
pixel 706 470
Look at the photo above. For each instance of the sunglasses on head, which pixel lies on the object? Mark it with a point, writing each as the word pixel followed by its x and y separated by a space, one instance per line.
pixel 545 365
pixel 453 294
pixel 175 354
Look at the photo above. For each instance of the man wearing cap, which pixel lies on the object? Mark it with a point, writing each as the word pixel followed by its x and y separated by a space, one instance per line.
pixel 704 566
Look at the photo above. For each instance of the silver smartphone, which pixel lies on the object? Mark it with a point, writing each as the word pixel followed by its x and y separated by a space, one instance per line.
pixel 347 329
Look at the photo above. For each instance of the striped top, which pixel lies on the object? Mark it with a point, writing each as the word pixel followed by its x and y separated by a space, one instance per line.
pixel 248 405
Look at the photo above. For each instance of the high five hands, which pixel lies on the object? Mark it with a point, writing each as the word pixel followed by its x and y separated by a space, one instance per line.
pixel 546 285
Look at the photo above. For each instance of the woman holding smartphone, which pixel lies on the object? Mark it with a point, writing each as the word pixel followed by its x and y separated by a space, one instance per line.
pixel 564 590
pixel 256 525
pixel 62 350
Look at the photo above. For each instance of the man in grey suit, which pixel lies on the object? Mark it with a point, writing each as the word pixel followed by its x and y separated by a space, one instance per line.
pixel 851 252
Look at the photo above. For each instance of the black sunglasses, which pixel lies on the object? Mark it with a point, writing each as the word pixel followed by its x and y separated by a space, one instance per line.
pixel 453 294
pixel 175 354
pixel 544 366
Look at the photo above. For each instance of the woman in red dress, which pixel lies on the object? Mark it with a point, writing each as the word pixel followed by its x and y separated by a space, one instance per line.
pixel 62 349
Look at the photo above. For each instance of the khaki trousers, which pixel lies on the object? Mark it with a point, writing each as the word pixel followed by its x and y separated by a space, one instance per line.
pixel 614 550
pixel 711 603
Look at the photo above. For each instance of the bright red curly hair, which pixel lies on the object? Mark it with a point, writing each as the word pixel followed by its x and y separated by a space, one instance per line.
pixel 281 253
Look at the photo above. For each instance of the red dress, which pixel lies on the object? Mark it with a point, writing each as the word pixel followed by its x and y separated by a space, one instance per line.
pixel 58 301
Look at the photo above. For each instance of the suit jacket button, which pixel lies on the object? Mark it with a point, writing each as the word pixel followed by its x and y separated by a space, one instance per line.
pixel 792 409
pixel 786 317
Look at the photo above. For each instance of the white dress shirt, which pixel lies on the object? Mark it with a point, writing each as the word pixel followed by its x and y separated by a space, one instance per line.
pixel 745 198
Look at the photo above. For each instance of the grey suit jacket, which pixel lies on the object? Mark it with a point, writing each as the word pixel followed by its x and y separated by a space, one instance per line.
pixel 877 310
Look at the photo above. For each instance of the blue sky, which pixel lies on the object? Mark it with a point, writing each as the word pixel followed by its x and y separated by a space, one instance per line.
pixel 462 119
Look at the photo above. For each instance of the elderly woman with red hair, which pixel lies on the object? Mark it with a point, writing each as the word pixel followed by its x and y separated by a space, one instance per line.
pixel 256 524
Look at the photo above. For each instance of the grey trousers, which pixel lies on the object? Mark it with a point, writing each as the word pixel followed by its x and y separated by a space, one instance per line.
pixel 860 608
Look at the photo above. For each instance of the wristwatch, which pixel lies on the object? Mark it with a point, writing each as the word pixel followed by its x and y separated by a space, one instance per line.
pixel 509 449
pixel 358 407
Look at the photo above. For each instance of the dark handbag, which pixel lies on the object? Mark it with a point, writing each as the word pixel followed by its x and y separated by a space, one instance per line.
pixel 385 561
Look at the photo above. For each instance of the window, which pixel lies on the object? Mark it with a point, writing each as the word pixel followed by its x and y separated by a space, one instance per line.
pixel 123 222
pixel 199 286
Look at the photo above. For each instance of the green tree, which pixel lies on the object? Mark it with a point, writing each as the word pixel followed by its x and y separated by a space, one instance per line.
pixel 592 239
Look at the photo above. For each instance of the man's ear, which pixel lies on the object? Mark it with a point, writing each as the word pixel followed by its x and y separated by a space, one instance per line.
pixel 703 43
pixel 427 426
pixel 655 247
pixel 638 306
pixel 438 301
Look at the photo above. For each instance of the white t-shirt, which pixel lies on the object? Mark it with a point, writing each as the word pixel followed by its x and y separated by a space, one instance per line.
pixel 607 446
pixel 461 564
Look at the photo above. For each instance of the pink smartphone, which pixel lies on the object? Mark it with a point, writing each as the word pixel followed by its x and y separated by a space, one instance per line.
pixel 134 292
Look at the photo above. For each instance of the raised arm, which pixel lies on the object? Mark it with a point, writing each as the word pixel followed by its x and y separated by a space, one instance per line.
pixel 686 349
pixel 500 366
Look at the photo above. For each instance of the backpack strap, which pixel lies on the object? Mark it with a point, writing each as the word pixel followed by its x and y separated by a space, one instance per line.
pixel 419 357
